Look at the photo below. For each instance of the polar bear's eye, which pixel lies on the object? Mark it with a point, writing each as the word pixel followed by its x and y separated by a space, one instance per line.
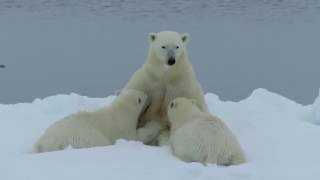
pixel 177 47
pixel 163 47
pixel 139 100
pixel 171 105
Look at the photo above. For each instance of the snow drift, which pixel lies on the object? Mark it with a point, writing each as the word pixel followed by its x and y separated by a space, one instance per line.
pixel 278 141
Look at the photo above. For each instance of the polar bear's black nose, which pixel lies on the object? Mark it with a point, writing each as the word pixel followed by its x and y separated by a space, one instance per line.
pixel 171 61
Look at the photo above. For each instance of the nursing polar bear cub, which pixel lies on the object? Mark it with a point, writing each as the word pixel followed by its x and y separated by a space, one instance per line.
pixel 99 128
pixel 198 136
pixel 166 74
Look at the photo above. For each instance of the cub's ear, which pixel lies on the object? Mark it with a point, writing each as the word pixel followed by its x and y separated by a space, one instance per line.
pixel 152 37
pixel 185 37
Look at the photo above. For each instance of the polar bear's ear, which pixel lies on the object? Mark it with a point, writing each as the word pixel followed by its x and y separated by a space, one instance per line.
pixel 185 37
pixel 152 37
pixel 117 92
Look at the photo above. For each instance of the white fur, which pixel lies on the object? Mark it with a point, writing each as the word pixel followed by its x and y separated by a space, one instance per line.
pixel 99 128
pixel 197 136
pixel 163 82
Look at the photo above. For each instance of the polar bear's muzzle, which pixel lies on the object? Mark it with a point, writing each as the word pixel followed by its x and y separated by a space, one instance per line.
pixel 171 57
pixel 171 61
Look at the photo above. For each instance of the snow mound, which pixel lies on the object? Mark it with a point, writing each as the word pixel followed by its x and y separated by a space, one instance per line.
pixel 278 142
pixel 316 110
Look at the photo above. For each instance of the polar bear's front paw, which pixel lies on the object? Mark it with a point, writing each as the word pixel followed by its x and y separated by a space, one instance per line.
pixel 40 147
pixel 163 138
pixel 146 135
pixel 149 132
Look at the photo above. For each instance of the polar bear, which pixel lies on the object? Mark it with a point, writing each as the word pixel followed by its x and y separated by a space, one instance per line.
pixel 198 136
pixel 99 128
pixel 166 74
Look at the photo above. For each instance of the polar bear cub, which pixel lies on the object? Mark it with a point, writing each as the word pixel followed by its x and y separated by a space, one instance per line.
pixel 99 128
pixel 197 136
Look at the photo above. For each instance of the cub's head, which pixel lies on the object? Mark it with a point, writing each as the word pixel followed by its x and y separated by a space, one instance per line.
pixel 182 108
pixel 168 46
pixel 133 98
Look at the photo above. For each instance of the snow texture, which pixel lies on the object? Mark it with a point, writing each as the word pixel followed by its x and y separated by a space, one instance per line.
pixel 278 142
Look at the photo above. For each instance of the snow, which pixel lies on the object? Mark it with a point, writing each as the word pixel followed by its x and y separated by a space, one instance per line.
pixel 278 142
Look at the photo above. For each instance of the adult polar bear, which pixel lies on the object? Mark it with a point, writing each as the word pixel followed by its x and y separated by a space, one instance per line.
pixel 166 74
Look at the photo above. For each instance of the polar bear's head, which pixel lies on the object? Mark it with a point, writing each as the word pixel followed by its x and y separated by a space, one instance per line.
pixel 181 109
pixel 133 99
pixel 168 46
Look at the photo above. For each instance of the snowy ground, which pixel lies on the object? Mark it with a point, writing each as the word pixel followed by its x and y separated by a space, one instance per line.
pixel 278 135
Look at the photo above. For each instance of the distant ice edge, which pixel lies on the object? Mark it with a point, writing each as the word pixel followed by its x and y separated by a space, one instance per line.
pixel 316 110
